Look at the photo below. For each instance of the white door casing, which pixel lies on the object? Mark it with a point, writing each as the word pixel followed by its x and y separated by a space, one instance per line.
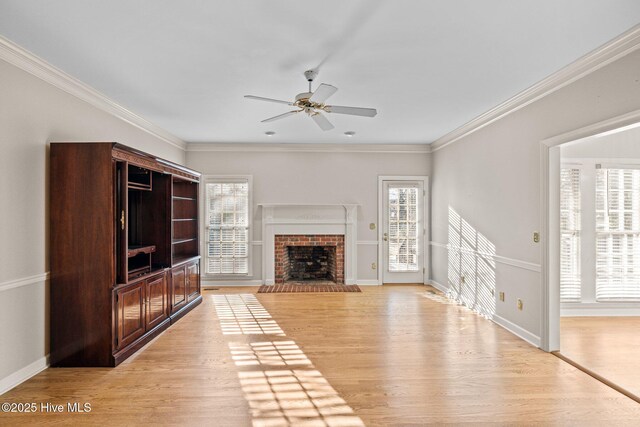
pixel 403 233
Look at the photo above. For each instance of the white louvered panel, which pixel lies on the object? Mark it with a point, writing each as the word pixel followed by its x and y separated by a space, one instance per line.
pixel 403 230
pixel 618 235
pixel 228 227
pixel 570 220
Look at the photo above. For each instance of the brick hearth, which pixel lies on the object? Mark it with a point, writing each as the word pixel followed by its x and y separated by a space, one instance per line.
pixel 335 265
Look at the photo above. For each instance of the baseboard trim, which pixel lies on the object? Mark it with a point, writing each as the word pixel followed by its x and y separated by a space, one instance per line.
pixel 13 380
pixel 439 286
pixel 517 330
pixel 368 282
pixel 208 284
pixel 600 309
pixel 25 281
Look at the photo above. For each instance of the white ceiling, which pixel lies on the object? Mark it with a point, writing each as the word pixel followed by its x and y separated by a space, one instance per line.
pixel 428 66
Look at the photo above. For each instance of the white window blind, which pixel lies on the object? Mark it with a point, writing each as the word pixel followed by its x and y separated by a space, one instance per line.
pixel 617 234
pixel 403 228
pixel 570 220
pixel 227 227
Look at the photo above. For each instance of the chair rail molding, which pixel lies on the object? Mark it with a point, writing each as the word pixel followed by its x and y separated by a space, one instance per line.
pixel 24 281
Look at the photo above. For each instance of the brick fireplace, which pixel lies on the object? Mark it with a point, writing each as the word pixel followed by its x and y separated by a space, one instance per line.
pixel 291 230
pixel 309 257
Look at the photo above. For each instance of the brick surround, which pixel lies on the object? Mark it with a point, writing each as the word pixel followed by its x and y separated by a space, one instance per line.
pixel 284 241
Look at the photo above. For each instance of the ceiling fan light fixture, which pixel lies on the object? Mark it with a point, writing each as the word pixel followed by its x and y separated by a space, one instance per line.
pixel 269 133
pixel 313 103
pixel 349 133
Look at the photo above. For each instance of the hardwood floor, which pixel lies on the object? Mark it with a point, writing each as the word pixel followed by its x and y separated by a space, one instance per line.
pixel 608 346
pixel 396 355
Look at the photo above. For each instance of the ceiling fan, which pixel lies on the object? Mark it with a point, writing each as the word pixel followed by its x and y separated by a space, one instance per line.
pixel 313 103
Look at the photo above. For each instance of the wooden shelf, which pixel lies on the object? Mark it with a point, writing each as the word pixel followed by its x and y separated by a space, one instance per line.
pixel 140 249
pixel 136 186
pixel 184 198
pixel 181 259
pixel 185 219
pixel 178 241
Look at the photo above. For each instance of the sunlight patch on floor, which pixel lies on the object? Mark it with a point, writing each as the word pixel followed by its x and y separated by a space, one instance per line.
pixel 278 395
pixel 244 315
pixel 271 353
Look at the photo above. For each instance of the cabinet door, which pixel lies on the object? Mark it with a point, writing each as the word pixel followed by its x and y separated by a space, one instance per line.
pixel 130 320
pixel 193 281
pixel 178 288
pixel 156 301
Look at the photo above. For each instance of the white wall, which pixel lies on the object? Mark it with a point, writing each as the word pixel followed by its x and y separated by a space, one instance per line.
pixel 492 178
pixel 315 177
pixel 33 113
pixel 619 145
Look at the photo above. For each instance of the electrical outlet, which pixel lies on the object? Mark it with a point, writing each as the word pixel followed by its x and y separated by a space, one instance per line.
pixel 501 294
pixel 373 266
pixel 519 304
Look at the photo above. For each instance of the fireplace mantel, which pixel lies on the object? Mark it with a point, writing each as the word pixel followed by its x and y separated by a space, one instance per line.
pixel 298 218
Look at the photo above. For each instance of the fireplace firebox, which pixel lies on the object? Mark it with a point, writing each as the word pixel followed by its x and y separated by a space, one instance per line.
pixel 309 258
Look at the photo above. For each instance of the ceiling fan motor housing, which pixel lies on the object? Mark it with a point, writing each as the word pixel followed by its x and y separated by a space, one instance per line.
pixel 303 95
pixel 310 75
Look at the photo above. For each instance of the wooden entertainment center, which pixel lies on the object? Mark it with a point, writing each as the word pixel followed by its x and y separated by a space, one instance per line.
pixel 125 260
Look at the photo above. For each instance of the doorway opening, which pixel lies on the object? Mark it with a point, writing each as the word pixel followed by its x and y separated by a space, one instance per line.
pixel 591 259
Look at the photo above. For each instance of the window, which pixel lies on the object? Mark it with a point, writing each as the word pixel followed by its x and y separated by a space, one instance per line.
pixel 570 218
pixel 617 234
pixel 227 226
pixel 403 228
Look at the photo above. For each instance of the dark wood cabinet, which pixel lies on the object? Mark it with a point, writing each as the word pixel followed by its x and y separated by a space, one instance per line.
pixel 193 281
pixel 178 288
pixel 124 250
pixel 130 314
pixel 157 295
pixel 185 284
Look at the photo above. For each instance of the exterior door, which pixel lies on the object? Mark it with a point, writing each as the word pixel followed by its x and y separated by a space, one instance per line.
pixel 403 231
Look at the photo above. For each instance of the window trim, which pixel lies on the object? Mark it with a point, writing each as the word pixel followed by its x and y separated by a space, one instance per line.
pixel 210 179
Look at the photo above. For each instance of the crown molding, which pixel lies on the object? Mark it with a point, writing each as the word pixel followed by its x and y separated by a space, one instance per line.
pixel 26 61
pixel 311 148
pixel 617 48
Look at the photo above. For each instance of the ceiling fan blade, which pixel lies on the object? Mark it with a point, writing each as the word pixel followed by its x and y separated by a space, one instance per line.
pixel 322 93
pixel 322 121
pixel 261 98
pixel 281 116
pixel 354 111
